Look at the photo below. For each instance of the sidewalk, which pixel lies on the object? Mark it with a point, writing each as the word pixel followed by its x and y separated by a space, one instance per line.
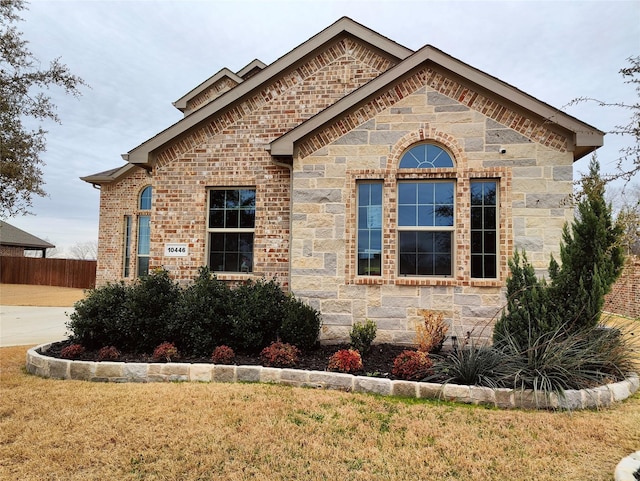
pixel 26 325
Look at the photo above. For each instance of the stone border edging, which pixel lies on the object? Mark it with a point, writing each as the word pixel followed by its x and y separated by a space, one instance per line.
pixel 49 367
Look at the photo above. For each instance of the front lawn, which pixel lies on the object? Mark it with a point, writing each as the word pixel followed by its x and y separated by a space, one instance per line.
pixel 77 430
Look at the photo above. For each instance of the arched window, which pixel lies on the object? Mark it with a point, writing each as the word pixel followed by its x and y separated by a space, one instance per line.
pixel 426 215
pixel 425 156
pixel 144 232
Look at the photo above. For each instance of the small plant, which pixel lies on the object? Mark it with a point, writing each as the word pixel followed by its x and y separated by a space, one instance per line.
pixel 412 365
pixel 362 335
pixel 73 351
pixel 165 352
pixel 346 360
pixel 432 332
pixel 223 355
pixel 474 365
pixel 280 354
pixel 108 353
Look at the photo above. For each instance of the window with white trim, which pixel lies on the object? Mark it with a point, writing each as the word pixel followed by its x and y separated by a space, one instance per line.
pixel 231 225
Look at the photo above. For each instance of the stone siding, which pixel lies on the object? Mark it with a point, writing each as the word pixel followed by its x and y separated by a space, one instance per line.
pixel 533 179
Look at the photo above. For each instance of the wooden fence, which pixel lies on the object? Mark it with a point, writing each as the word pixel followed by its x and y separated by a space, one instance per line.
pixel 48 272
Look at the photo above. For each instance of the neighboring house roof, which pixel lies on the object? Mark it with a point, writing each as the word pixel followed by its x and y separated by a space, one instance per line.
pixel 585 137
pixel 141 154
pixel 110 175
pixel 12 236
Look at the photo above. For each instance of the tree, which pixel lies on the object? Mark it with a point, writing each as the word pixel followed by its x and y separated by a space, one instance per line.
pixel 23 101
pixel 591 256
pixel 628 164
pixel 84 250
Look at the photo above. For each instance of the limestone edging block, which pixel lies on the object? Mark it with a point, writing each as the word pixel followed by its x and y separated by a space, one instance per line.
pixel 598 397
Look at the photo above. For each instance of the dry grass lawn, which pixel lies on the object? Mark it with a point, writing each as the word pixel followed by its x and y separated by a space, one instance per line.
pixel 73 430
pixel 45 296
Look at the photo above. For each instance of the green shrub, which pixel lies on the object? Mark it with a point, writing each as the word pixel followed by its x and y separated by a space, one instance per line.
pixel 257 312
pixel 280 354
pixel 101 318
pixel 362 335
pixel 150 306
pixel 345 360
pixel 300 324
pixel 412 365
pixel 202 317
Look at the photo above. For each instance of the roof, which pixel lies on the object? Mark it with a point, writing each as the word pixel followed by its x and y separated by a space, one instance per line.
pixel 108 176
pixel 141 154
pixel 12 236
pixel 586 138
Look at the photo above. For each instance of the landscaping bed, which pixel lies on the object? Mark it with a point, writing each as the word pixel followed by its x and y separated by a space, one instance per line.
pixel 378 362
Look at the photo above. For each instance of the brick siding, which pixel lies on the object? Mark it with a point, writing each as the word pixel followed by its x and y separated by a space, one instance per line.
pixel 624 297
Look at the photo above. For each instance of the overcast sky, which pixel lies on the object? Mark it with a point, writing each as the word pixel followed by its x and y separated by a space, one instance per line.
pixel 139 56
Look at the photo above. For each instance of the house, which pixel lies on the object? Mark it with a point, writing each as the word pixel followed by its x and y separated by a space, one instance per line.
pixel 370 180
pixel 15 242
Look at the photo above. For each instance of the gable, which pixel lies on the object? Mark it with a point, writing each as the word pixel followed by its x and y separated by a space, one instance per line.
pixel 260 87
pixel 470 87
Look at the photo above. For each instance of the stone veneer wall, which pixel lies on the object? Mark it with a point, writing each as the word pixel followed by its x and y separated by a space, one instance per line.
pixel 533 178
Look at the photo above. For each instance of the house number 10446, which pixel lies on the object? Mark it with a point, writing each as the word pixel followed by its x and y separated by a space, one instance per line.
pixel 176 250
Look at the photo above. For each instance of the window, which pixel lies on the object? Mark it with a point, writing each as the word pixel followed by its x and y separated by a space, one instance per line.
pixel 144 232
pixel 369 228
pixel 484 229
pixel 426 215
pixel 232 214
pixel 127 246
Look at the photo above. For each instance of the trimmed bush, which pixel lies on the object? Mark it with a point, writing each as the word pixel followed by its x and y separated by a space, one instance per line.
pixel 362 335
pixel 258 310
pixel 300 324
pixel 345 360
pixel 223 355
pixel 202 318
pixel 74 351
pixel 165 352
pixel 280 354
pixel 412 365
pixel 108 353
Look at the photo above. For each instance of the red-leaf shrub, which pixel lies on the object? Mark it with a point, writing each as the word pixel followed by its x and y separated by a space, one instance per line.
pixel 345 360
pixel 412 365
pixel 165 352
pixel 223 355
pixel 73 351
pixel 280 354
pixel 108 353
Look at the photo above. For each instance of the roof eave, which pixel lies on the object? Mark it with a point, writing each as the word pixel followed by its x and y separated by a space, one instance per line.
pixel 586 137
pixel 142 153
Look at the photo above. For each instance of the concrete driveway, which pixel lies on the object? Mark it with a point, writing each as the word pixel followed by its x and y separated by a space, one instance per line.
pixel 20 326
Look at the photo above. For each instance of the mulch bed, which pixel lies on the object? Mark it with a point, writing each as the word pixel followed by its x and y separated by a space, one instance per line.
pixel 378 362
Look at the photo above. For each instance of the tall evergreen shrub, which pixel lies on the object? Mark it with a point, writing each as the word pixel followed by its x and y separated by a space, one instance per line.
pixel 591 257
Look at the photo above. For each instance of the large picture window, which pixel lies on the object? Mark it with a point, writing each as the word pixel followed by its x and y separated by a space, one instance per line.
pixel 484 229
pixel 426 215
pixel 425 228
pixel 232 214
pixel 370 228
